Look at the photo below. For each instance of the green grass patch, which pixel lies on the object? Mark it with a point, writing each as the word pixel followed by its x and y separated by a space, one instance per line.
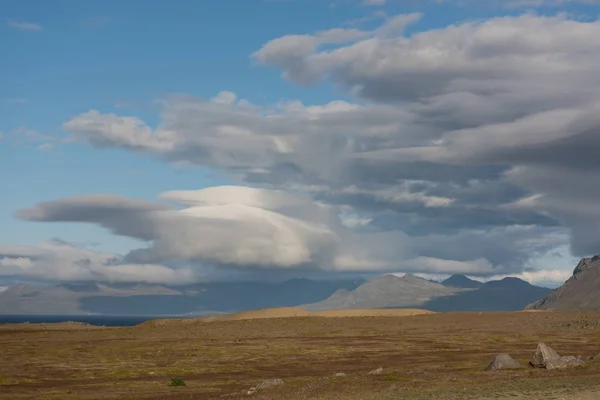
pixel 176 382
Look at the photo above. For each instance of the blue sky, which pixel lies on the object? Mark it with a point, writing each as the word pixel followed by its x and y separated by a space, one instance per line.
pixel 65 58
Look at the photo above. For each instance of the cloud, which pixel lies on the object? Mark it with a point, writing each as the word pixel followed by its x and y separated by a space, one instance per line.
pixel 233 226
pixel 237 227
pixel 374 2
pixel 25 137
pixel 518 3
pixel 290 52
pixel 465 151
pixel 56 260
pixel 25 26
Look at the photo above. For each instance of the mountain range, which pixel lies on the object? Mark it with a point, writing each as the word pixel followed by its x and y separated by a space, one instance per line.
pixel 457 293
pixel 143 299
pixel 580 292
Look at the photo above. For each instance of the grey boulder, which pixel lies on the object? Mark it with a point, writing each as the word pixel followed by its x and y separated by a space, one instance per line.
pixel 542 355
pixel 502 361
pixel 546 357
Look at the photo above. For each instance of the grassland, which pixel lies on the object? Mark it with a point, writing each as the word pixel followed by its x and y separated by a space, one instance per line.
pixel 436 356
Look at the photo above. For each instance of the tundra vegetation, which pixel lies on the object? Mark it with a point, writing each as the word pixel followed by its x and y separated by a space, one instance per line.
pixel 442 356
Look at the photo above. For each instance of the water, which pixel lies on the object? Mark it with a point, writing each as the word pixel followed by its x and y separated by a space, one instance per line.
pixel 98 320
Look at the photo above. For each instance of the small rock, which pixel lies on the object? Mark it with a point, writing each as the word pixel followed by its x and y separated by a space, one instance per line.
pixel 596 357
pixel 542 355
pixel 377 371
pixel 269 383
pixel 564 362
pixel 503 361
pixel 339 375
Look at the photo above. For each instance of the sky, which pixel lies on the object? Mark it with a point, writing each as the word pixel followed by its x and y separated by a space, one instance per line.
pixel 182 141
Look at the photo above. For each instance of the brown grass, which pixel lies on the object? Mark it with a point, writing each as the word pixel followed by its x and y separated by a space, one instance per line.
pixel 289 312
pixel 436 356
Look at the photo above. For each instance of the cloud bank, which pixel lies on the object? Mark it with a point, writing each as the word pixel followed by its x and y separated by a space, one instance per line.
pixel 465 150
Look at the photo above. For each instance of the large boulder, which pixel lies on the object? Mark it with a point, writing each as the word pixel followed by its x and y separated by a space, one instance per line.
pixel 502 361
pixel 546 357
pixel 542 355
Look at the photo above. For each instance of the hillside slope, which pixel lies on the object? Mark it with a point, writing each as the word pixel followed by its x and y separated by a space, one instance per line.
pixel 580 292
pixel 388 291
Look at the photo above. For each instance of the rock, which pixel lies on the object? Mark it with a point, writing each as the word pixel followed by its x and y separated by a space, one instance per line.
pixel 546 357
pixel 503 361
pixel 564 362
pixel 542 355
pixel 339 375
pixel 377 371
pixel 595 357
pixel 269 383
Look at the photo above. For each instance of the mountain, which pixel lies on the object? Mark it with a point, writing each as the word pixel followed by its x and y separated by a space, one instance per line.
pixel 388 291
pixel 461 281
pixel 66 298
pixel 508 294
pixel 580 292
pixel 143 299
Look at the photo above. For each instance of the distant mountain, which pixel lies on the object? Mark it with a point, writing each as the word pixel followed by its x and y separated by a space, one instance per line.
pixel 461 281
pixel 457 293
pixel 144 299
pixel 388 291
pixel 66 298
pixel 580 292
pixel 508 294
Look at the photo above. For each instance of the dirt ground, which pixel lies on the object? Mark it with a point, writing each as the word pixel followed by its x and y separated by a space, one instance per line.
pixel 436 356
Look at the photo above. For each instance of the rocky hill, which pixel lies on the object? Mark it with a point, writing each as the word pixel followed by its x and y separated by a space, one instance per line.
pixel 580 292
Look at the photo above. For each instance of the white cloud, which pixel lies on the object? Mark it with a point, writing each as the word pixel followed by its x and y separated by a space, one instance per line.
pixel 60 261
pixel 242 227
pixel 25 26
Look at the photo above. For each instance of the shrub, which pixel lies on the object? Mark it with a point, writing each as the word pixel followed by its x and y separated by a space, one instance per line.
pixel 177 382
